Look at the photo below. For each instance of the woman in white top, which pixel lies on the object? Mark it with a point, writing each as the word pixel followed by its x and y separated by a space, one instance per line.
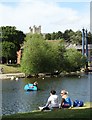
pixel 52 101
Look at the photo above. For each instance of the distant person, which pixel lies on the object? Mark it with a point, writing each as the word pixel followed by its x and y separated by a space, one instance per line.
pixel 66 102
pixel 52 102
pixel 35 83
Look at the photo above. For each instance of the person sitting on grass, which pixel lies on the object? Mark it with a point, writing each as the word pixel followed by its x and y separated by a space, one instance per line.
pixel 66 102
pixel 52 102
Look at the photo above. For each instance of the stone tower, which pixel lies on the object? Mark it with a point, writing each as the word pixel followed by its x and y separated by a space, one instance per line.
pixel 35 29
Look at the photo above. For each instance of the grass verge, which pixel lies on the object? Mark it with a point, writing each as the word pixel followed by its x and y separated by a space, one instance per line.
pixel 78 113
pixel 12 68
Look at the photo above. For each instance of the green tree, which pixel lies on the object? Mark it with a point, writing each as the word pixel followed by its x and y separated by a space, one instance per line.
pixel 10 34
pixel 58 49
pixel 89 38
pixel 53 36
pixel 42 56
pixel 8 50
pixel 76 38
pixel 74 60
pixel 37 55
pixel 48 36
pixel 67 34
pixel 59 35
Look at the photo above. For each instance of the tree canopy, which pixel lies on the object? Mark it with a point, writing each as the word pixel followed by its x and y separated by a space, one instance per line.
pixel 74 60
pixel 38 55
pixel 10 34
pixel 68 36
pixel 11 40
pixel 8 50
pixel 41 56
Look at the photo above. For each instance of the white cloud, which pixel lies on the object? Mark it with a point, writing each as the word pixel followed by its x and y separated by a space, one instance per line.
pixel 47 14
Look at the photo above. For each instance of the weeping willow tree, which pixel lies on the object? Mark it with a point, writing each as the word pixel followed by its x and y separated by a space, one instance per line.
pixel 38 56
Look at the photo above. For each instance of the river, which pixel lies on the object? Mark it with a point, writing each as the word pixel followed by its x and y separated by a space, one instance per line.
pixel 15 99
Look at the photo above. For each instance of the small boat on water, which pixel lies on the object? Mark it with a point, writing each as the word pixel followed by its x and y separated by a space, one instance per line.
pixel 30 87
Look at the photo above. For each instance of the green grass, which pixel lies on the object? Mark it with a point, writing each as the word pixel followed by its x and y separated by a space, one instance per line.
pixel 13 68
pixel 82 112
pixel 60 113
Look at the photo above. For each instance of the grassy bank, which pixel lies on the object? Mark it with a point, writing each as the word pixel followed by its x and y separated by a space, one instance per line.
pixel 60 113
pixel 10 68
pixel 14 68
pixel 82 112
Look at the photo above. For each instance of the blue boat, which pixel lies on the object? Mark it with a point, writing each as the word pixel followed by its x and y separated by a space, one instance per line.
pixel 30 87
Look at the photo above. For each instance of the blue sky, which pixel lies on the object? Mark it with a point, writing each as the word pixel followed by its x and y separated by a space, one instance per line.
pixel 52 15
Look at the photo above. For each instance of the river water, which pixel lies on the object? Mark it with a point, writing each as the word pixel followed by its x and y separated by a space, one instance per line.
pixel 15 99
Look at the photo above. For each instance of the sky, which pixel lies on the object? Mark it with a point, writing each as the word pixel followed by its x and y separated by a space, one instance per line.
pixel 52 15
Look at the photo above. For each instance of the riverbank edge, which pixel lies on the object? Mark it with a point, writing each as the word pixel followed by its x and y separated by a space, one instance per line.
pixel 41 75
pixel 9 75
pixel 23 75
pixel 87 105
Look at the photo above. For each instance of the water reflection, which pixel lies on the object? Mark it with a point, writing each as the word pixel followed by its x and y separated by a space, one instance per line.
pixel 15 99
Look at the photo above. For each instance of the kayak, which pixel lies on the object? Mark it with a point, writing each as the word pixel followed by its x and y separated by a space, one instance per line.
pixel 30 87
